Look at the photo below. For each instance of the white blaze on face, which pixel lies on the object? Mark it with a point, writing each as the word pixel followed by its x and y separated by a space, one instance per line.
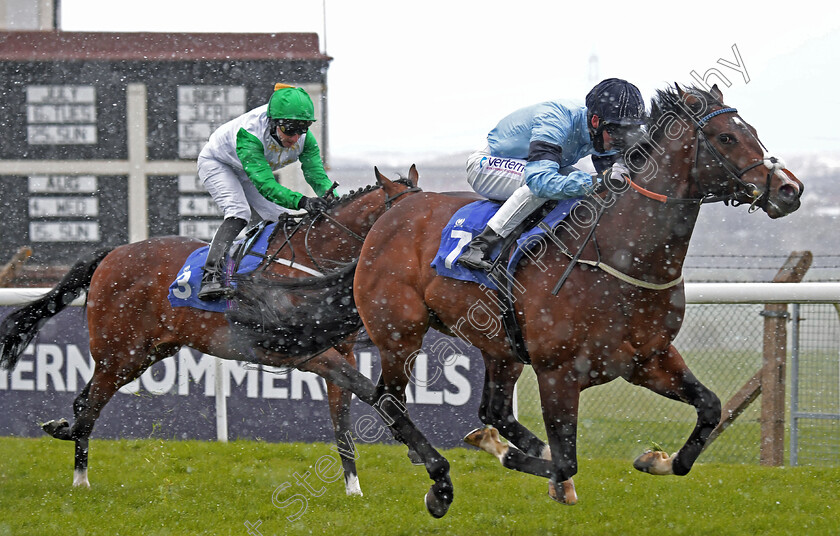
pixel 773 163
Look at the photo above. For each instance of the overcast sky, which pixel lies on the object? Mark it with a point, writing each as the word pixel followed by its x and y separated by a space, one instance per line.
pixel 435 76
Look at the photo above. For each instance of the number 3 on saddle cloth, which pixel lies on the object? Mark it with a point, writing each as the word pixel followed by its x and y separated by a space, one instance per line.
pixel 469 221
pixel 248 253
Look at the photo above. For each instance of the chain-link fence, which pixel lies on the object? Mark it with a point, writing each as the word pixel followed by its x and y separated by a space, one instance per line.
pixel 815 386
pixel 722 344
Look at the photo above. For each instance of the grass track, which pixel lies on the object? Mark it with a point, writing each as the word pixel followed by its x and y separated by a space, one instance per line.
pixel 154 487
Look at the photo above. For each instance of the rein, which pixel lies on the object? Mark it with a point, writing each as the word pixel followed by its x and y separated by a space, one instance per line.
pixel 575 259
pixel 389 201
pixel 737 175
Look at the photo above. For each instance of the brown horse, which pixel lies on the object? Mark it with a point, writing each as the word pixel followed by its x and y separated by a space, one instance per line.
pixel 132 324
pixel 598 298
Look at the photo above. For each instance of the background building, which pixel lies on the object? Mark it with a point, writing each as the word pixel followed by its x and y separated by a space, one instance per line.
pixel 101 130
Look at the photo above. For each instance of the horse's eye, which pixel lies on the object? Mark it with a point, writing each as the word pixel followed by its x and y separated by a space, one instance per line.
pixel 727 138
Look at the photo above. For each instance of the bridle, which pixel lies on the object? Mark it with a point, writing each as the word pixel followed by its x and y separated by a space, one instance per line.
pixel 389 201
pixel 757 200
pixel 736 175
pixel 310 224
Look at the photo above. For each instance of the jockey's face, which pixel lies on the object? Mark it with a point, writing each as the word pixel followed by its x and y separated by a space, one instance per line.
pixel 605 136
pixel 616 137
pixel 286 140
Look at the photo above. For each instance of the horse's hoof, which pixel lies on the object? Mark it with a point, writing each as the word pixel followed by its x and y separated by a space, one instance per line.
pixel 475 437
pixel 436 507
pixel 655 462
pixel 52 427
pixel 80 479
pixel 566 493
pixel 488 440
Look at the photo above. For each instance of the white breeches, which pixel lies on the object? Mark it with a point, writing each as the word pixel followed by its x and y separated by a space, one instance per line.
pixel 502 179
pixel 234 192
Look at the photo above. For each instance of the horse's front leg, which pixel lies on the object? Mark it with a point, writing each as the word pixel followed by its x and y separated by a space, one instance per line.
pixel 496 408
pixel 667 374
pixel 560 398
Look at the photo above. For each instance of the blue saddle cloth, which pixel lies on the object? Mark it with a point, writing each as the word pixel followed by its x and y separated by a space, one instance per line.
pixel 469 221
pixel 183 291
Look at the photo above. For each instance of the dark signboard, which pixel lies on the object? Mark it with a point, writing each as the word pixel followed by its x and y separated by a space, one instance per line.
pixel 67 97
pixel 175 399
pixel 63 214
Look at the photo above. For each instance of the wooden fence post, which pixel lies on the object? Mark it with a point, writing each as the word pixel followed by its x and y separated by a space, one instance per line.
pixel 772 451
pixel 769 381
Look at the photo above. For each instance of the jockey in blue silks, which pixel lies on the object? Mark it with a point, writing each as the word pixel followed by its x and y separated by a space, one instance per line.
pixel 530 157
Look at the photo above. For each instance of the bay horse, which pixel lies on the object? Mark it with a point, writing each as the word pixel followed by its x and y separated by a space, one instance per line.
pixel 132 325
pixel 599 297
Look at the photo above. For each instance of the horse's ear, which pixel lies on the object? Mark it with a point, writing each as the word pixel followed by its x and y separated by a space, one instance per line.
pixel 716 93
pixel 381 179
pixel 413 176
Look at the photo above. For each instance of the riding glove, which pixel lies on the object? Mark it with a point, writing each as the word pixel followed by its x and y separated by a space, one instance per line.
pixel 313 205
pixel 619 169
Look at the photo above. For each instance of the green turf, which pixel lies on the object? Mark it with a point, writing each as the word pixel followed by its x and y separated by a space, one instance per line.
pixel 188 487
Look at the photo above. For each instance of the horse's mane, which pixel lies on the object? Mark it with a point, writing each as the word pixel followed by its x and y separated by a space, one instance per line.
pixel 668 101
pixel 664 103
pixel 350 196
pixel 355 194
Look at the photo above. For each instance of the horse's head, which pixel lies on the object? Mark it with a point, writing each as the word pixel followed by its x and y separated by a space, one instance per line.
pixel 359 209
pixel 336 236
pixel 728 161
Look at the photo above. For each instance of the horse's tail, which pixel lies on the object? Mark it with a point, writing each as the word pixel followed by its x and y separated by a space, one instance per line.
pixel 21 325
pixel 296 317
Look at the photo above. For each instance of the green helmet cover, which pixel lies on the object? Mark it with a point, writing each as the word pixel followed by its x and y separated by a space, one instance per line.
pixel 291 103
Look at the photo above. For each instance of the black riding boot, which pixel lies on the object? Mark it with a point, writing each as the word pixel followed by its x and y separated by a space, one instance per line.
pixel 211 281
pixel 477 254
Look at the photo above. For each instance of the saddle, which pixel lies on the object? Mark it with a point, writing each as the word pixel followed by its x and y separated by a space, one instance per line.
pixel 468 222
pixel 246 255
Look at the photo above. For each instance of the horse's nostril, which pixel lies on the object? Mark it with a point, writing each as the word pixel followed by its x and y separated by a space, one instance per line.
pixel 788 193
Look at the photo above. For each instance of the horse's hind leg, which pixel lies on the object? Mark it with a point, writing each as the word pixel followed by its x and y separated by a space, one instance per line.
pixel 88 406
pixel 497 407
pixel 340 401
pixel 339 372
pixel 668 375
pixel 61 429
pixel 383 389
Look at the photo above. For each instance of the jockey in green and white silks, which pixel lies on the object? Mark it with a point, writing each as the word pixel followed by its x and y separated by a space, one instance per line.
pixel 237 164
pixel 530 157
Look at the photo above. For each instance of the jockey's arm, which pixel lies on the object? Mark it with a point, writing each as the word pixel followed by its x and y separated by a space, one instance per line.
pixel 547 180
pixel 313 167
pixel 544 172
pixel 251 153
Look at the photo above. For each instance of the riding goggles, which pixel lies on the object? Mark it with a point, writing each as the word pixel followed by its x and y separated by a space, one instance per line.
pixel 623 135
pixel 292 127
